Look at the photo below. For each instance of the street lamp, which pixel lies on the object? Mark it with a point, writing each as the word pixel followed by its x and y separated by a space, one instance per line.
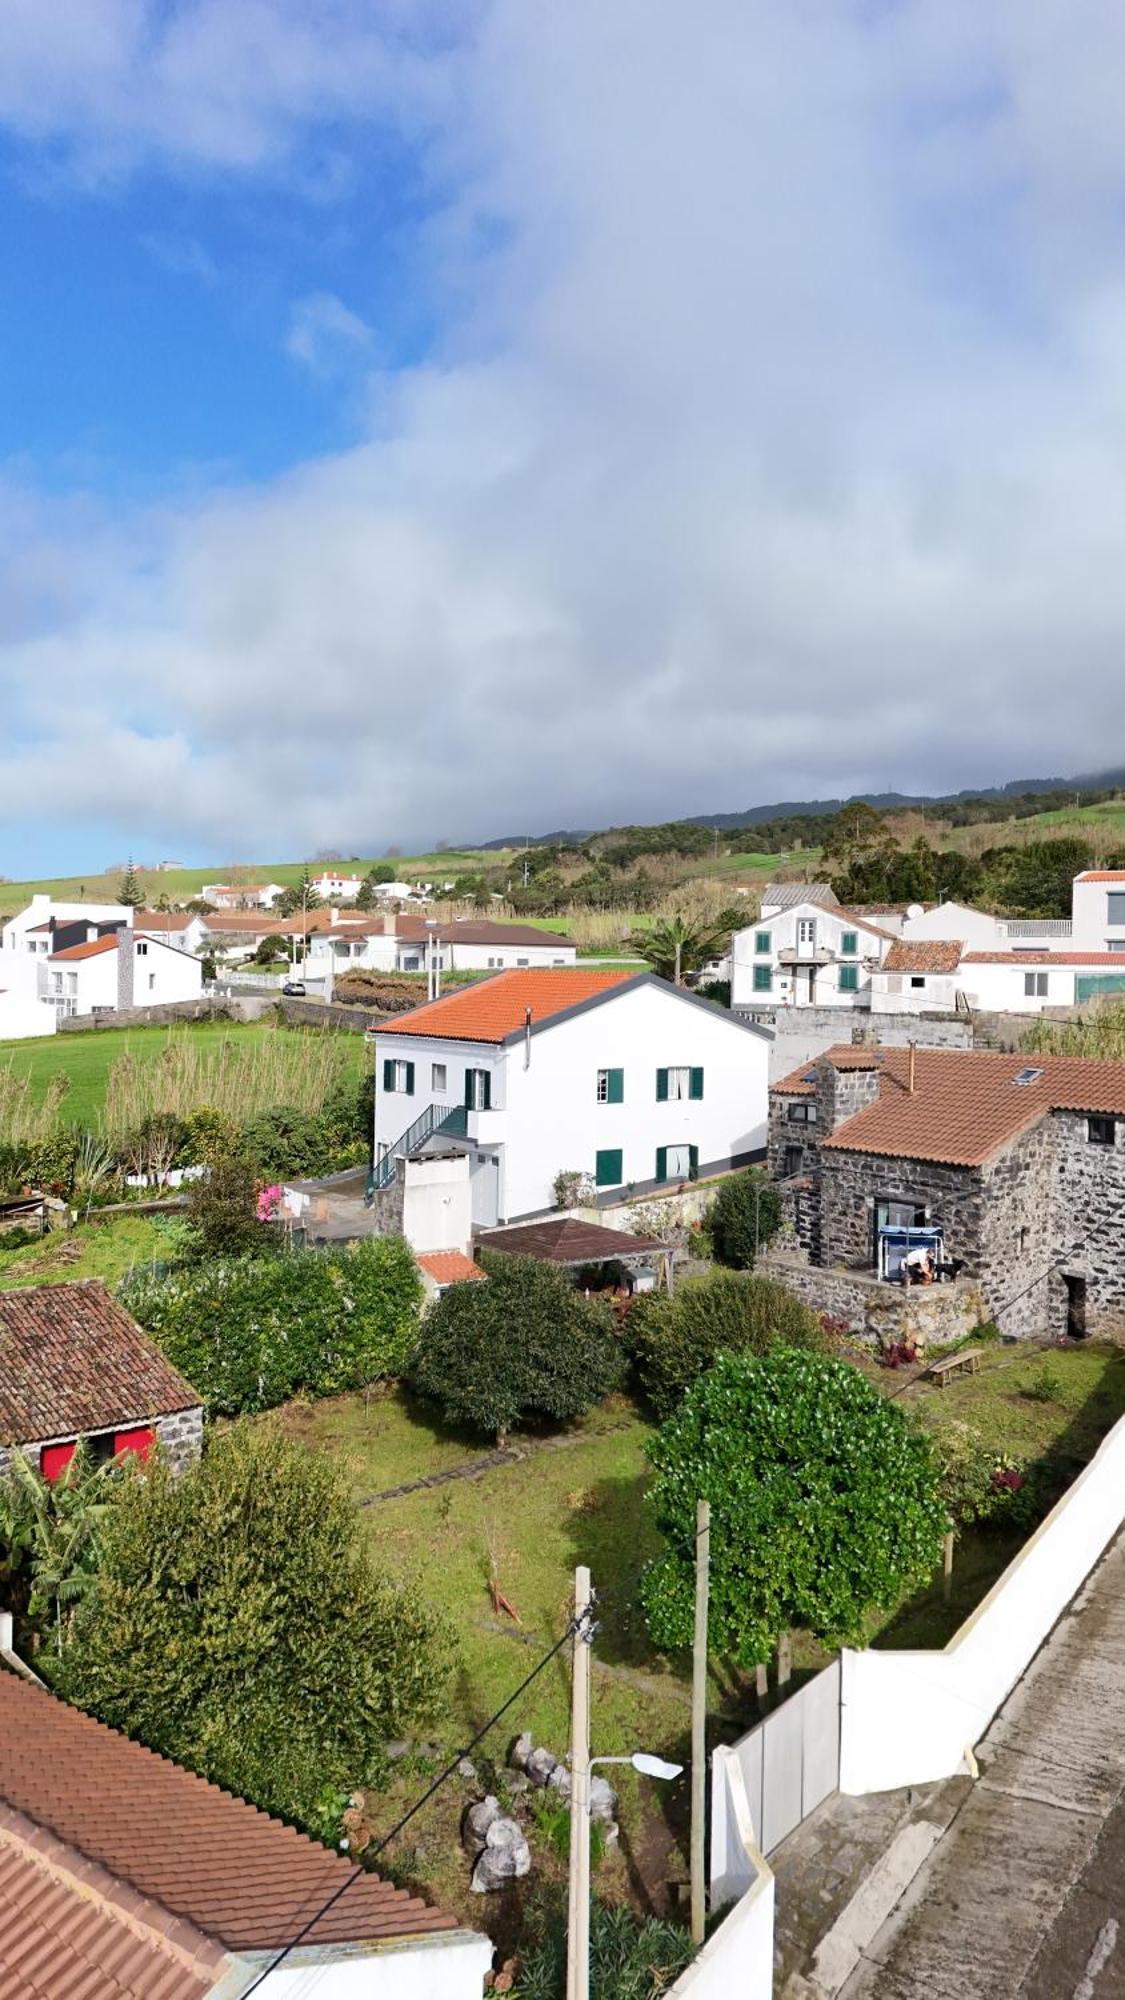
pixel 578 1966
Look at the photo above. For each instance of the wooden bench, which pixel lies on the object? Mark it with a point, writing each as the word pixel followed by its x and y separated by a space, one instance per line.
pixel 944 1371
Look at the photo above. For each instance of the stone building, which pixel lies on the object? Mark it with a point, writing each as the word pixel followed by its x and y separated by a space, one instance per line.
pixel 1013 1167
pixel 73 1364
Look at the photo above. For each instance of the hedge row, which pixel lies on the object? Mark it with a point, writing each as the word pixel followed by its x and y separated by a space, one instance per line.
pixel 250 1332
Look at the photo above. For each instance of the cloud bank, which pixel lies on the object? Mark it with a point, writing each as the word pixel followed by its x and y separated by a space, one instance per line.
pixel 773 443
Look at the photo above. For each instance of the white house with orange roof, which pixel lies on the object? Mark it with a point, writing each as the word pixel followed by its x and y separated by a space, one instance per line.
pixel 615 1076
pixel 112 969
pixel 242 895
pixel 806 954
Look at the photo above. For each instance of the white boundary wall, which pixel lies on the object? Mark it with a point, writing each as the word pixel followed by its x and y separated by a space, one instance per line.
pixel 738 1956
pixel 910 1718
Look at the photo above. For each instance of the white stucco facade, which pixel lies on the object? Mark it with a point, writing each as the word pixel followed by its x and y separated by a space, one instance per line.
pixel 84 985
pixel 975 929
pixel 28 931
pixel 1098 911
pixel 806 956
pixel 443 1965
pixel 581 1093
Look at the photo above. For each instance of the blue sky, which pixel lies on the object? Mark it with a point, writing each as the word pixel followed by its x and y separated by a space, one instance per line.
pixel 423 422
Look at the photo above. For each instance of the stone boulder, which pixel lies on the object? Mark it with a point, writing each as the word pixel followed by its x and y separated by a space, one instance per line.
pixel 504 1857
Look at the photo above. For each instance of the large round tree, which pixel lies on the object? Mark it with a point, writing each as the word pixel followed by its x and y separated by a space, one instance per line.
pixel 525 1344
pixel 239 1624
pixel 824 1504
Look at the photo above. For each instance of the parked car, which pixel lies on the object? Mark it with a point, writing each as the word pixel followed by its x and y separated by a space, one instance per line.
pixel 295 988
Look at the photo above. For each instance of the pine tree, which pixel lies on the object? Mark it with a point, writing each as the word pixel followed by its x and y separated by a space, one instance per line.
pixel 129 889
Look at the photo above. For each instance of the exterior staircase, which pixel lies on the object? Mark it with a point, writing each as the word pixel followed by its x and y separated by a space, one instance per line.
pixel 432 1121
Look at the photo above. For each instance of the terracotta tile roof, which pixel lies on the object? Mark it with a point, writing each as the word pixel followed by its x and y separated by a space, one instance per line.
pixel 801 1082
pixel 243 1879
pixel 924 955
pixel 162 920
pixel 93 949
pixel 1101 875
pixel 497 1008
pixel 966 1104
pixel 448 1267
pixel 68 1928
pixel 1037 957
pixel 72 1360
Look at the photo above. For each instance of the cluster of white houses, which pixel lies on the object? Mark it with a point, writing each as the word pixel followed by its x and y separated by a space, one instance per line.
pixel 805 950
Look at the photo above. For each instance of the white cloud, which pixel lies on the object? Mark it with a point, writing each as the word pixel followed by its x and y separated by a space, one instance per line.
pixel 325 335
pixel 777 446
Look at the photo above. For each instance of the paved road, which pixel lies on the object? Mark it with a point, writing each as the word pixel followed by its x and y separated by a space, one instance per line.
pixel 1024 1896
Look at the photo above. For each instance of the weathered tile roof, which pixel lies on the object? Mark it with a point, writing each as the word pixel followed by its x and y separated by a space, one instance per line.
pixel 448 1267
pixel 72 1360
pixel 92 949
pixel 1044 957
pixel 966 1104
pixel 241 1878
pixel 68 1929
pixel 565 1239
pixel 924 955
pixel 789 895
pixel 497 1008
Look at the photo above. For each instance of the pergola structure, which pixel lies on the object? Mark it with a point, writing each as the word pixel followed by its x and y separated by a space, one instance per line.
pixel 571 1243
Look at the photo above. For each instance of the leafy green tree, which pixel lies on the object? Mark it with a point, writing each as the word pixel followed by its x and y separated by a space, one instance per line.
pixel 745 1213
pixel 524 1345
pixel 130 890
pixel 380 872
pixel 679 946
pixel 239 1623
pixel 824 1502
pixel 855 833
pixel 222 1207
pixel 271 948
pixel 673 1339
pixel 49 1537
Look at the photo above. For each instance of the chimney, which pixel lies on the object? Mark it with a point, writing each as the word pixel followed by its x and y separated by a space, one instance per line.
pixel 527 1039
pixel 126 953
pixel 841 1092
pixel 910 1085
pixel 390 924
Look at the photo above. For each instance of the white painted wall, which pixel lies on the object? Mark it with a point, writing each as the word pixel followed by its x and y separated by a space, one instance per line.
pixel 448 1965
pixel 437 1203
pixel 22 1014
pixel 1090 907
pixel 1000 988
pixel 160 975
pixel 789 985
pixel 738 1957
pixel 545 1115
pixel 346 887
pixel 975 929
pixel 908 1718
pixel 897 992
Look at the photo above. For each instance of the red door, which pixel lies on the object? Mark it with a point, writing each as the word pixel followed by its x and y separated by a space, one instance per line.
pixel 54 1459
pixel 141 1441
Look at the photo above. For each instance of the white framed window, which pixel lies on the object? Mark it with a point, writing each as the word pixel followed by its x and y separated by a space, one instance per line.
pixel 523 961
pixel 806 933
pixel 679 1162
pixel 1035 985
pixel 437 1076
pixel 152 982
pixel 679 1086
pixel 142 948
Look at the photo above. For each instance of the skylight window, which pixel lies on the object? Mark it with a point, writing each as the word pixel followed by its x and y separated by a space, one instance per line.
pixel 1029 1076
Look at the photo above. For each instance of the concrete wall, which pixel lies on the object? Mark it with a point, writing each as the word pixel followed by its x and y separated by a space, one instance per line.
pixel 438 1203
pixel 250 1009
pixel 446 1965
pixel 856 1024
pixel 737 1958
pixel 908 1718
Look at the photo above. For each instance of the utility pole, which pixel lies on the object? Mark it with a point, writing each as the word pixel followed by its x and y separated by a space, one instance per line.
pixel 578 1913
pixel 699 1719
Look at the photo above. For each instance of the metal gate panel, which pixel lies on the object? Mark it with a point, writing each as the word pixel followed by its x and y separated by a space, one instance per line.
pixel 820 1704
pixel 781 1773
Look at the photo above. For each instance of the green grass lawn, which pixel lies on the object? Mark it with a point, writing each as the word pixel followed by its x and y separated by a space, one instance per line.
pixel 179 884
pixel 85 1058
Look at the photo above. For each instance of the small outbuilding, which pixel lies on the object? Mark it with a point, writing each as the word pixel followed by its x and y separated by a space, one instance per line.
pixel 587 1246
pixel 74 1364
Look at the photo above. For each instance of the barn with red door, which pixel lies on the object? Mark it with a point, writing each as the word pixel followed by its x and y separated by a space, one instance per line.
pixel 73 1364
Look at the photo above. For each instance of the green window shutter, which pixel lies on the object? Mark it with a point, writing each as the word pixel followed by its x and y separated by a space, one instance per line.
pixel 849 979
pixel 410 1079
pixel 662 1158
pixel 849 942
pixel 662 1090
pixel 469 1089
pixel 693 1163
pixel 616 1086
pixel 388 1073
pixel 695 1087
pixel 762 943
pixel 763 979
pixel 607 1167
pixel 486 1090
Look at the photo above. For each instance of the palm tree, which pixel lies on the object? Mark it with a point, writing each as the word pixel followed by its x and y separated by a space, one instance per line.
pixel 676 946
pixel 53 1528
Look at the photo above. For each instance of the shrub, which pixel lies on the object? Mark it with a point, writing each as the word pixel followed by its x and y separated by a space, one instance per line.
pixel 207 1135
pixel 222 1209
pixel 672 1340
pixel 572 1188
pixel 1046 1387
pixel 238 1623
pixel 746 1212
pixel 284 1141
pixel 824 1502
pixel 631 1958
pixel 526 1344
pixel 249 1333
pixel 975 1480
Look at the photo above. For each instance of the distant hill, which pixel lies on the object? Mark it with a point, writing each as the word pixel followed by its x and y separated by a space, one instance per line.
pixel 1097 781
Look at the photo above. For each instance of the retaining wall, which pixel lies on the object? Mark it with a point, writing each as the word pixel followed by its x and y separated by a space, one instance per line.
pixel 859 1025
pixel 930 1315
pixel 249 1009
